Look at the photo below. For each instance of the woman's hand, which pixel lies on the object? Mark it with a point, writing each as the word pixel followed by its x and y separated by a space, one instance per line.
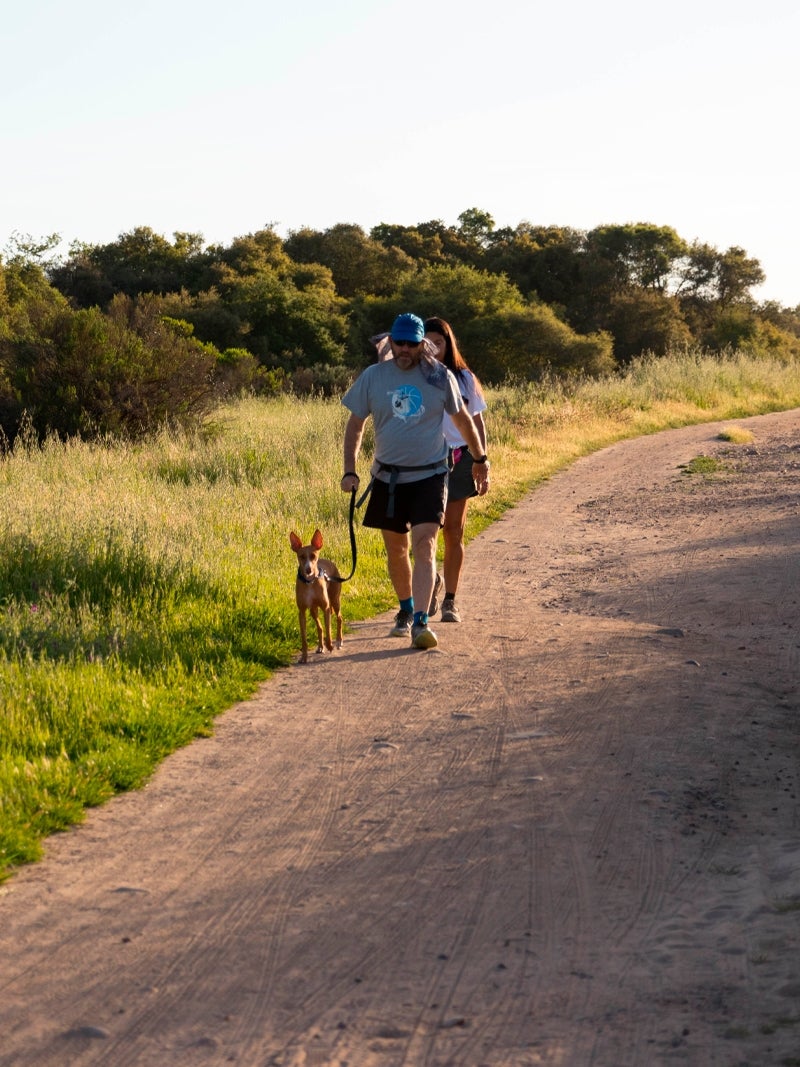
pixel 480 474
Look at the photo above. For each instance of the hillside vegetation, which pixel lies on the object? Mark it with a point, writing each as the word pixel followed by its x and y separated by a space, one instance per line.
pixel 143 332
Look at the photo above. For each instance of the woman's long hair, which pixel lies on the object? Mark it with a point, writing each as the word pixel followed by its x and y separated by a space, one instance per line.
pixel 453 359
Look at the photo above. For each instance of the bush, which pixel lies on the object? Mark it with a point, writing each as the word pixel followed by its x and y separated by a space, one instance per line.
pixel 86 373
pixel 322 379
pixel 531 342
pixel 500 332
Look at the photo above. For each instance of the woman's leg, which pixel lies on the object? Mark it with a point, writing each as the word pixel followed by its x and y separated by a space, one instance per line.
pixel 455 518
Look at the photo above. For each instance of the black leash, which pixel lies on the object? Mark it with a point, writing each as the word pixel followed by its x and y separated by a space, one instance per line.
pixel 353 550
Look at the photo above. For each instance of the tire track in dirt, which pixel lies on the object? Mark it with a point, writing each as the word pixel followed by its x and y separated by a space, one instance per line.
pixel 363 822
pixel 494 747
pixel 216 946
pixel 440 873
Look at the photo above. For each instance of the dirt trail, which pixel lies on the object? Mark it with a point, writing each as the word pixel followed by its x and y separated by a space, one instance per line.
pixel 569 836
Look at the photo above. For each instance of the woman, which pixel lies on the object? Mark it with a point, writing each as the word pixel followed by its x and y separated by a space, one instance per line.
pixel 461 485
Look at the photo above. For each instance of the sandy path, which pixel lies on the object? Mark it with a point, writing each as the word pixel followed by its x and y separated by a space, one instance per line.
pixel 568 836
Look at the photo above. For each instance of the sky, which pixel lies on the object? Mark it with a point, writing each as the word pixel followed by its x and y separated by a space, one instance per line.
pixel 222 119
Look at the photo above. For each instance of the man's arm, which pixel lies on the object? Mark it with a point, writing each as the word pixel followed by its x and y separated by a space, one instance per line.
pixel 353 435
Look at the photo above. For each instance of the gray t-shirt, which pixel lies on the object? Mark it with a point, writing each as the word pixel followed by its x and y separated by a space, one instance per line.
pixel 407 416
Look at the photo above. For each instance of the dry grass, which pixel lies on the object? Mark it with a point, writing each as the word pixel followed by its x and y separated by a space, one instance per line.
pixel 736 435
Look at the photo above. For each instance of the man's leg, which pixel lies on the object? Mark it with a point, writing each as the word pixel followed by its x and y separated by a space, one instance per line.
pixel 398 562
pixel 423 547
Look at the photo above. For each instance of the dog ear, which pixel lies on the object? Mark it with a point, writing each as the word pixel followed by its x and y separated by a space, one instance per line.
pixel 297 544
pixel 316 540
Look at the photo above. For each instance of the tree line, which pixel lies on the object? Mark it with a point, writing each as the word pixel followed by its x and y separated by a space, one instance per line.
pixel 125 336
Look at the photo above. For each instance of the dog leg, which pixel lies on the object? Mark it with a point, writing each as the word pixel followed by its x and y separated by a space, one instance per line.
pixel 303 636
pixel 315 616
pixel 328 642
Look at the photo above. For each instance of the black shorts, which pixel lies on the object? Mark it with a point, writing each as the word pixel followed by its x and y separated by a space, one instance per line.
pixel 414 503
pixel 461 484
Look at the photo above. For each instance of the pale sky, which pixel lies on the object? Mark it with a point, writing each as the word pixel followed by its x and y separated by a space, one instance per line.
pixel 220 119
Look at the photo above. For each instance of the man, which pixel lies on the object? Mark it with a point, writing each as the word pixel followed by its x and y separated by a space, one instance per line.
pixel 407 397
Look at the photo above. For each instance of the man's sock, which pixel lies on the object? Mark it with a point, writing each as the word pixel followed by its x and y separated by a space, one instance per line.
pixel 420 618
pixel 407 605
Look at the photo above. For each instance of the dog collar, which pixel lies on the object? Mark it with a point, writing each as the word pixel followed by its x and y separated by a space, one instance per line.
pixel 319 575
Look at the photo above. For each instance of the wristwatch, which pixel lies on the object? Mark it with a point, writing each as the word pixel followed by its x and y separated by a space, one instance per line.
pixel 481 459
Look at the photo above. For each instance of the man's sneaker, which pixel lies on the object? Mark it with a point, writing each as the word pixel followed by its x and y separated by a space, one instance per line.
pixel 437 589
pixel 422 637
pixel 450 612
pixel 402 623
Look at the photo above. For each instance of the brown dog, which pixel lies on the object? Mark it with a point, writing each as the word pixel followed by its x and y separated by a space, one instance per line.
pixel 317 588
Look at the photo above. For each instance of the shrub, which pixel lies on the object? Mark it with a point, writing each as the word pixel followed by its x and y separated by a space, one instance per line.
pixel 85 373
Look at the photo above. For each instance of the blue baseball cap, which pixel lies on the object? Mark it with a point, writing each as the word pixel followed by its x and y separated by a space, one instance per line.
pixel 408 327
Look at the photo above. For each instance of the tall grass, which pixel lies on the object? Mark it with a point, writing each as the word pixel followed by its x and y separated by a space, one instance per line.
pixel 144 588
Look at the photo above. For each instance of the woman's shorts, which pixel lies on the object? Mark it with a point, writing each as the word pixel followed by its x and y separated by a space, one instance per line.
pixel 414 503
pixel 461 484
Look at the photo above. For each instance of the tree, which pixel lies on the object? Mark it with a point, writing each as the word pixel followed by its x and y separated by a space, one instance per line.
pixel 28 301
pixel 636 254
pixel 476 226
pixel 786 319
pixel 140 261
pixel 718 277
pixel 542 260
pixel 644 320
pixel 736 274
pixel 25 250
pixel 457 246
pixel 212 317
pixel 283 325
pixel 420 247
pixel 358 263
pixel 697 276
pixel 712 283
pixel 251 254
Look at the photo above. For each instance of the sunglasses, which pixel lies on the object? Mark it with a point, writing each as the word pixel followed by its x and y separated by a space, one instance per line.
pixel 407 344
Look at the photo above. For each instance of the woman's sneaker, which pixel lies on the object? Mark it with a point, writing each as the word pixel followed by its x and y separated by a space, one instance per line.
pixel 422 637
pixel 450 612
pixel 437 590
pixel 402 624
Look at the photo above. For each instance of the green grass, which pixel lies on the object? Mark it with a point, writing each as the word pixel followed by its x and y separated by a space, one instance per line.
pixel 701 465
pixel 145 588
